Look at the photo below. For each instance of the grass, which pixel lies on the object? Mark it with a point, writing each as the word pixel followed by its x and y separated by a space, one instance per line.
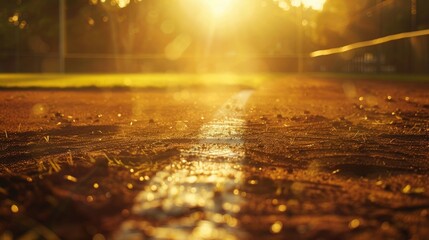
pixel 172 80
pixel 128 80
pixel 372 76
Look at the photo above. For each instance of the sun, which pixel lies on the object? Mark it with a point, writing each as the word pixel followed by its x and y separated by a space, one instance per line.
pixel 218 8
pixel 314 4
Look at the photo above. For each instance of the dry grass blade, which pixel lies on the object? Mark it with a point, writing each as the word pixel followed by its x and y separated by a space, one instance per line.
pixel 54 166
pixel 70 158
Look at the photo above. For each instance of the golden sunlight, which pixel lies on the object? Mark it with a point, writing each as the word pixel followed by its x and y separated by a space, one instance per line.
pixel 314 4
pixel 122 3
pixel 218 8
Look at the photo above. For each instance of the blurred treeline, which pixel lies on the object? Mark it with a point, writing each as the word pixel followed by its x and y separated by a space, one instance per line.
pixel 256 35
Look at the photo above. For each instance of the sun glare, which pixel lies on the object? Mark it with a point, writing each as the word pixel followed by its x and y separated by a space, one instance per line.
pixel 218 7
pixel 314 4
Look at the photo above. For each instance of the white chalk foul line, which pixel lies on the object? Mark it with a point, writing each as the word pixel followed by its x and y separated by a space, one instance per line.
pixel 197 197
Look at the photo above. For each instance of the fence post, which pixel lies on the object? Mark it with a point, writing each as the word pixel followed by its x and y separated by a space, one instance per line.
pixel 300 38
pixel 62 35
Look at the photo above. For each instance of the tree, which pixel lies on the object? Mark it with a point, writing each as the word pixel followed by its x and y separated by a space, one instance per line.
pixel 28 29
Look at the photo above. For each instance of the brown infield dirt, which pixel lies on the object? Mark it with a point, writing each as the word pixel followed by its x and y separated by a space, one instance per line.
pixel 325 159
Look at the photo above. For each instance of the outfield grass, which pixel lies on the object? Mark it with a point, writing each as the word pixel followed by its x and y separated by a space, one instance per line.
pixel 128 80
pixel 371 76
pixel 172 80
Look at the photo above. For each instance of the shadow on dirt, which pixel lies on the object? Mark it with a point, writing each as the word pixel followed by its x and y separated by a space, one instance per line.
pixel 369 171
pixel 29 145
